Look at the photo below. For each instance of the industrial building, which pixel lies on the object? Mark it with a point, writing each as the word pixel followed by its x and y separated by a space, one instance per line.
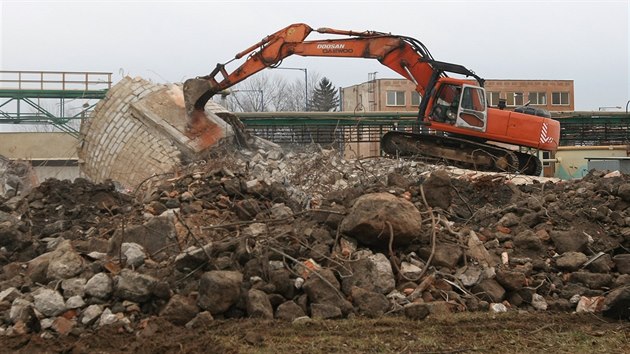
pixel 385 95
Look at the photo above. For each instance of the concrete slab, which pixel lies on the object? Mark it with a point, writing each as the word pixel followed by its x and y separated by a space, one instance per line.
pixel 164 110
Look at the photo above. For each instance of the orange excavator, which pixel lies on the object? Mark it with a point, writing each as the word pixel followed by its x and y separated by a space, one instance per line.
pixel 458 126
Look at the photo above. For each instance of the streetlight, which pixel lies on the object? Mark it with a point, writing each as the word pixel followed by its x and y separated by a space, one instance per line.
pixel 627 103
pixel 305 83
pixel 604 108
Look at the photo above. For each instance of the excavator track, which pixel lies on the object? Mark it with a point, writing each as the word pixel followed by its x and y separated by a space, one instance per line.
pixel 455 151
pixel 529 164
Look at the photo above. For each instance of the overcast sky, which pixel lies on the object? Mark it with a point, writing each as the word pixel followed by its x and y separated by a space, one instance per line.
pixel 169 41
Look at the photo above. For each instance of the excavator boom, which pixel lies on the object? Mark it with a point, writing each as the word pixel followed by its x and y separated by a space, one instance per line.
pixel 406 56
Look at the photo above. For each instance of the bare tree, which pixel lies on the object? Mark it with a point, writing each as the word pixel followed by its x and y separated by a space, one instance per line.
pixel 259 93
pixel 269 93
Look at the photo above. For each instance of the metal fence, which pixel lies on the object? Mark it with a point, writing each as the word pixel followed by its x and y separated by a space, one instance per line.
pixel 55 80
pixel 576 128
pixel 326 128
pixel 595 130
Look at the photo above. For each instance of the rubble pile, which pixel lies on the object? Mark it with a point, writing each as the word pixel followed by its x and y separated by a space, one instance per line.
pixel 16 177
pixel 301 235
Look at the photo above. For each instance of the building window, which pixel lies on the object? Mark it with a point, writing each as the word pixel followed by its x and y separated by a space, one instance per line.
pixel 539 98
pixel 493 99
pixel 514 99
pixel 415 98
pixel 395 98
pixel 560 98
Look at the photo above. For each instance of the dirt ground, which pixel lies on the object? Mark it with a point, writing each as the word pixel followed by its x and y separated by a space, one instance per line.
pixel 456 333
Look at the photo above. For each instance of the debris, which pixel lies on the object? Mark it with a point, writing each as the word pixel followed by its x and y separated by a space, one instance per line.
pixel 289 311
pixel 372 273
pixel 180 309
pixel 307 267
pixel 325 311
pixel 218 290
pixel 258 305
pixel 498 307
pixel 539 302
pixel 369 217
pixel 571 261
pixel 622 262
pixel 134 254
pixel 569 241
pixel 368 303
pixel 209 243
pixel 416 311
pixel 100 286
pixel 590 304
pixel 49 302
pixel 489 290
pixel 17 178
pixel 477 251
pixel 617 304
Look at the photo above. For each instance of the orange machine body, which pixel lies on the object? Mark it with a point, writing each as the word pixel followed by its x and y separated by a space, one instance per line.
pixel 409 58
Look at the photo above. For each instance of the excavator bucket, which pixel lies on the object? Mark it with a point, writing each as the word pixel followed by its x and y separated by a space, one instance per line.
pixel 197 92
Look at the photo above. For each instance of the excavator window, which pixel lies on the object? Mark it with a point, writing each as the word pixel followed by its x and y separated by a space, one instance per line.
pixel 446 104
pixel 473 99
pixel 472 113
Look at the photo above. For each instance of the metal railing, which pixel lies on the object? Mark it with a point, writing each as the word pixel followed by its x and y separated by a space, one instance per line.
pixel 595 131
pixel 326 128
pixel 55 80
pixel 576 128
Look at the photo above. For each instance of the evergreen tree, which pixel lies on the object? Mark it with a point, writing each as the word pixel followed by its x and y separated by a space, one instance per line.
pixel 325 97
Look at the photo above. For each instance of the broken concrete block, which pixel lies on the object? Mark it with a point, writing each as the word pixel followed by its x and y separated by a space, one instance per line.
pixel 325 311
pixel 325 289
pixel 571 261
pixel 180 310
pixel 372 273
pixel 369 219
pixel 130 285
pixel 617 304
pixel 100 286
pixel 416 311
pixel 258 305
pixel 569 241
pixel 369 303
pixel 218 290
pixel 289 311
pixel 49 302
pixel 64 262
pixel 134 254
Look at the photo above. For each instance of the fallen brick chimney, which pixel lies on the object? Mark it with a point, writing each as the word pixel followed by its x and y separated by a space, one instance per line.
pixel 139 130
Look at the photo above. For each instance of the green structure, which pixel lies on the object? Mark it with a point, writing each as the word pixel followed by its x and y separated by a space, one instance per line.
pixel 326 127
pixel 63 99
pixel 594 128
pixel 55 98
pixel 576 128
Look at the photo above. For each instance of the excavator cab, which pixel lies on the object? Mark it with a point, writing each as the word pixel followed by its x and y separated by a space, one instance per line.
pixel 472 112
pixel 446 104
pixel 461 105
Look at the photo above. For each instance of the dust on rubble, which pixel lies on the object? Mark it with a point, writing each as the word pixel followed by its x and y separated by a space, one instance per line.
pixel 393 246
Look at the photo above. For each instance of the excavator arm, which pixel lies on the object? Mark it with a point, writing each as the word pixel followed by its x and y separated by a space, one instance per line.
pixel 406 56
